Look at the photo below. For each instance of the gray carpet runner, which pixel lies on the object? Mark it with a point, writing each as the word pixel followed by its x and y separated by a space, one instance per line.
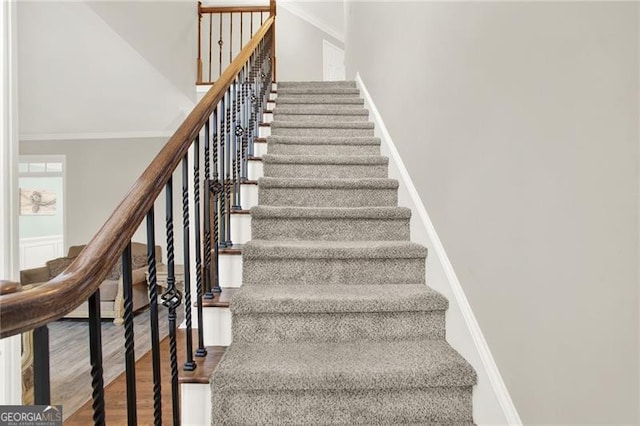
pixel 333 323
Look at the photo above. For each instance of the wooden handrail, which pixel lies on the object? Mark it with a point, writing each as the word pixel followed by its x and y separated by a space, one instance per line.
pixel 26 310
pixel 233 9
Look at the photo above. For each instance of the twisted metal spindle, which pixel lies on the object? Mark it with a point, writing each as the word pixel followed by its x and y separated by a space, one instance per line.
pixel 234 144
pixel 227 180
pixel 215 189
pixel 171 299
pixel 95 355
pixel 201 350
pixel 153 308
pixel 223 203
pixel 130 357
pixel 189 364
pixel 207 214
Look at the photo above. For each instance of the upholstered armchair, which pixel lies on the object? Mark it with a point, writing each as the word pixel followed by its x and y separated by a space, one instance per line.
pixel 111 294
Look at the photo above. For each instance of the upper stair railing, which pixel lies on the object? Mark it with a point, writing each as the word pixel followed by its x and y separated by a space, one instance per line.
pixel 217 136
pixel 222 33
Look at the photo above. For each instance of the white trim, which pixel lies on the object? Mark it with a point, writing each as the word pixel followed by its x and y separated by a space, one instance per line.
pixel 290 7
pixel 483 353
pixel 10 348
pixel 95 136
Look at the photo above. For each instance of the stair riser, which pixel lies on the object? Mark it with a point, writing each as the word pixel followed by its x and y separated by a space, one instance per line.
pixel 320 117
pixel 291 149
pixel 345 327
pixel 321 197
pixel 320 132
pixel 317 407
pixel 307 271
pixel 330 229
pixel 320 171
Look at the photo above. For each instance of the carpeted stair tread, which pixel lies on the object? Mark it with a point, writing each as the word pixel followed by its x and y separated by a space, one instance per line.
pixel 274 212
pixel 282 299
pixel 319 90
pixel 318 100
pixel 317 124
pixel 342 366
pixel 319 110
pixel 267 249
pixel 326 159
pixel 319 140
pixel 271 182
pixel 289 84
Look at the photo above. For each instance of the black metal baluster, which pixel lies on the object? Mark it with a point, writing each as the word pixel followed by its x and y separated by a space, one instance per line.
pixel 41 376
pixel 189 364
pixel 153 304
pixel 207 213
pixel 216 189
pixel 234 144
pixel 227 177
pixel 244 123
pixel 238 134
pixel 251 106
pixel 95 355
pixel 171 299
pixel 223 204
pixel 200 351
pixel 129 356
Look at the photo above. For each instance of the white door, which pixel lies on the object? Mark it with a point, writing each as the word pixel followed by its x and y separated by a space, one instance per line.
pixel 332 62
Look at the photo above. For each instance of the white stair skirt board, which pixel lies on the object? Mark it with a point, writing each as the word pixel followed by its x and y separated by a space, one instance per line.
pixel 272 96
pixel 195 400
pixel 217 331
pixel 249 196
pixel 259 149
pixel 492 403
pixel 255 170
pixel 230 271
pixel 267 117
pixel 241 227
pixel 271 105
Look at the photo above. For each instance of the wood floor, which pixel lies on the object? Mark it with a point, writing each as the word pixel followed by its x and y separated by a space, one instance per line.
pixel 69 355
pixel 115 392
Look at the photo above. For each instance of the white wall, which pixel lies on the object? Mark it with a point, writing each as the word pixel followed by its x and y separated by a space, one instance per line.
pixel 105 67
pixel 518 123
pixel 299 47
pixel 99 174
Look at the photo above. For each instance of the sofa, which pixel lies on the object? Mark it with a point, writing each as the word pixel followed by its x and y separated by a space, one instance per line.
pixel 111 295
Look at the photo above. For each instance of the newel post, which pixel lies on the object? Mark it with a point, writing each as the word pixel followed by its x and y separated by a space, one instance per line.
pixel 272 12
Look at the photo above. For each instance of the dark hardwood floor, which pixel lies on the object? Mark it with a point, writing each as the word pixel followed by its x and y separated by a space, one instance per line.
pixel 116 394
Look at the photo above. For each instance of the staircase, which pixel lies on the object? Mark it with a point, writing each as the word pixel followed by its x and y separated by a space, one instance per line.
pixel 333 323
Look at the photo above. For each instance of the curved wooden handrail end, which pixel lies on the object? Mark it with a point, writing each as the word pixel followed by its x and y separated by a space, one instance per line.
pixel 8 287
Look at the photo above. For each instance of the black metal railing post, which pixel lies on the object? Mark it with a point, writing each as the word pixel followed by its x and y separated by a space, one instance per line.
pixel 171 299
pixel 95 356
pixel 41 374
pixel 153 308
pixel 129 355
pixel 200 351
pixel 189 364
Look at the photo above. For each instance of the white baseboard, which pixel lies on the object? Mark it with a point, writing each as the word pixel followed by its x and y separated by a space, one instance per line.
pixel 492 403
